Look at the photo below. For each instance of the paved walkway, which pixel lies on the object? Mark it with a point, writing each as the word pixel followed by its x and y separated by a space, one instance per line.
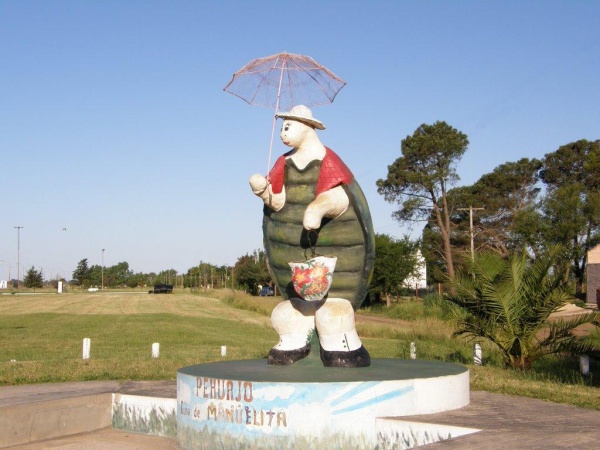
pixel 106 439
pixel 510 422
pixel 507 422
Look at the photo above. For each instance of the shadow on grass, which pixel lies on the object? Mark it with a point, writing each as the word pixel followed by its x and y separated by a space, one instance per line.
pixel 565 370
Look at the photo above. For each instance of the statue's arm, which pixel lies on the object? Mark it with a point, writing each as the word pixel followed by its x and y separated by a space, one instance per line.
pixel 331 204
pixel 263 189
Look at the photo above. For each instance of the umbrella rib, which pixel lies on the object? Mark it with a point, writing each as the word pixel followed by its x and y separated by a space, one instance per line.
pixel 275 117
pixel 258 88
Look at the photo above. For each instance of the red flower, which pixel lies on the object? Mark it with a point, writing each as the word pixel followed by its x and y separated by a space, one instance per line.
pixel 301 277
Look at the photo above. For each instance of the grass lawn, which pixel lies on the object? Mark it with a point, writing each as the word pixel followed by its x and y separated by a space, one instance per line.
pixel 43 334
pixel 41 340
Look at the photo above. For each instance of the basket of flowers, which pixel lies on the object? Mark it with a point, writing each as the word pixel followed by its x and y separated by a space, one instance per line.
pixel 312 278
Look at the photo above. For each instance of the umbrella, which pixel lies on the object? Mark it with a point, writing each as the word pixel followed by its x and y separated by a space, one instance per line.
pixel 282 81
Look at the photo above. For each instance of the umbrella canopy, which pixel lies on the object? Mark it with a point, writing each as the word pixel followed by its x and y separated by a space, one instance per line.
pixel 285 80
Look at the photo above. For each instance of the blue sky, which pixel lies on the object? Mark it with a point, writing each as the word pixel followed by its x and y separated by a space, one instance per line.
pixel 114 124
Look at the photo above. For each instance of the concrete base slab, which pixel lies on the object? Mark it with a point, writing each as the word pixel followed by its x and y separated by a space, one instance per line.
pixel 44 411
pixel 34 413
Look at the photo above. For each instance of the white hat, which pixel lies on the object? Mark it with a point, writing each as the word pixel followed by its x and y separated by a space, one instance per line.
pixel 302 114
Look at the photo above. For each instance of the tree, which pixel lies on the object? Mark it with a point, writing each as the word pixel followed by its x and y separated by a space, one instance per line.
pixel 433 252
pixel 95 275
pixel 433 247
pixel 137 280
pixel 166 277
pixel 572 203
pixel 33 278
pixel 395 260
pixel 420 179
pixel 204 275
pixel 81 275
pixel 251 270
pixel 509 195
pixel 117 275
pixel 509 301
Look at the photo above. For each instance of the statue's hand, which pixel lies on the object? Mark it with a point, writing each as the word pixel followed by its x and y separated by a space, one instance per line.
pixel 263 189
pixel 258 183
pixel 312 218
pixel 331 204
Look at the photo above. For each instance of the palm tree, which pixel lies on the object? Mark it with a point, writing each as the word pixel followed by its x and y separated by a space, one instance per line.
pixel 509 301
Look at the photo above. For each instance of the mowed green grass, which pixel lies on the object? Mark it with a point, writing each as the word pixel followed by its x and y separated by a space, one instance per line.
pixel 41 340
pixel 41 335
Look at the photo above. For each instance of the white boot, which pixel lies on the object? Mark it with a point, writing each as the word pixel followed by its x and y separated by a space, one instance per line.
pixel 295 322
pixel 340 344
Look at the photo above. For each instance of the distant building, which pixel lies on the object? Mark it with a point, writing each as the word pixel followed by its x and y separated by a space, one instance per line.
pixel 3 284
pixel 419 279
pixel 593 276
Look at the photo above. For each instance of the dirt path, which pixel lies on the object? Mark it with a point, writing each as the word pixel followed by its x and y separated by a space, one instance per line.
pixel 379 320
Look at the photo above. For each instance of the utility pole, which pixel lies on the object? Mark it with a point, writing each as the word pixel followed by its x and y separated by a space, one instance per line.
pixel 471 209
pixel 18 253
pixel 102 271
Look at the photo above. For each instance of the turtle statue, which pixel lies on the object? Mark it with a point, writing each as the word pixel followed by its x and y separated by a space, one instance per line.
pixel 313 206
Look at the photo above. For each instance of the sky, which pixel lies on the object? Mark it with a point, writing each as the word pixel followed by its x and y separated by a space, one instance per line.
pixel 116 134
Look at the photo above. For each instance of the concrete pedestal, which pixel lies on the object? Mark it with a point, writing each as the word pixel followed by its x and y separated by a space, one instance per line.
pixel 248 404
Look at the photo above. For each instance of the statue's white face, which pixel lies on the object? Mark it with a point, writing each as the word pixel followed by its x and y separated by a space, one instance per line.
pixel 293 132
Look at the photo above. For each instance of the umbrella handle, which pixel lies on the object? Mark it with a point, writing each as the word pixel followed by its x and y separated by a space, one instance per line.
pixel 275 115
pixel 271 145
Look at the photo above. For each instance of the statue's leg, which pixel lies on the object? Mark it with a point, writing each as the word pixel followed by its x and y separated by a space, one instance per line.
pixel 294 320
pixel 340 344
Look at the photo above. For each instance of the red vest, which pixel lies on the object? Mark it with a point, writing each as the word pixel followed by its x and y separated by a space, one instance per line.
pixel 333 173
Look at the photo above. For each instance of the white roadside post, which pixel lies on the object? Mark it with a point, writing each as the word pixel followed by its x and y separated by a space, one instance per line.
pixel 223 350
pixel 413 350
pixel 477 355
pixel 87 346
pixel 584 364
pixel 155 350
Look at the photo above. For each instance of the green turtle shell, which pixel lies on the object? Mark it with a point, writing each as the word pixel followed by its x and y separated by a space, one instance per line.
pixel 349 237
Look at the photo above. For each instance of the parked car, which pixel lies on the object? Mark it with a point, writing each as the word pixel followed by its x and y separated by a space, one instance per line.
pixel 266 291
pixel 162 289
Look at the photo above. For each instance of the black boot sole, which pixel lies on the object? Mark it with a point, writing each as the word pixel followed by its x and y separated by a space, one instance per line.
pixel 287 357
pixel 355 358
